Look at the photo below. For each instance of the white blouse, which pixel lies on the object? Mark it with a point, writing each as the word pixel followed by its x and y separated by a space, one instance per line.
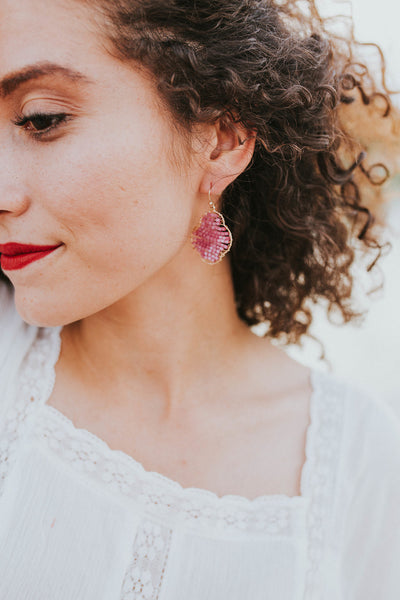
pixel 79 521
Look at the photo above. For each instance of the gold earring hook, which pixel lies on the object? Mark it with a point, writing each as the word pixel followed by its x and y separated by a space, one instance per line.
pixel 210 202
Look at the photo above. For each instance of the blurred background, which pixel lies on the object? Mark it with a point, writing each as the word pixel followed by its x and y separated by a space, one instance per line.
pixel 368 353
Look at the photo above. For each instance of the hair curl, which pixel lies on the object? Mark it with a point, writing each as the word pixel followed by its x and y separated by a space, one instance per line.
pixel 274 67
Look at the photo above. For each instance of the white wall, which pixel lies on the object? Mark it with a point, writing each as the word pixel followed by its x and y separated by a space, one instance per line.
pixel 379 22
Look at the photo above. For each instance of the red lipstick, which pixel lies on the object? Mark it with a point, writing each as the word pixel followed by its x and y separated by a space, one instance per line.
pixel 16 256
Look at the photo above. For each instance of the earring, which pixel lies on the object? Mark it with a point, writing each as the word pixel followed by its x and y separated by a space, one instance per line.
pixel 212 238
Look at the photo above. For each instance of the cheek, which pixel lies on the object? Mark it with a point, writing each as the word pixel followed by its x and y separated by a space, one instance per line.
pixel 114 173
pixel 121 217
pixel 118 205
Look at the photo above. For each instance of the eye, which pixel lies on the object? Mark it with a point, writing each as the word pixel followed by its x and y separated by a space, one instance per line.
pixel 40 123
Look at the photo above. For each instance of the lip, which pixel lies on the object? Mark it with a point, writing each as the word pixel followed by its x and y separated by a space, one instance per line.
pixel 16 256
pixel 13 248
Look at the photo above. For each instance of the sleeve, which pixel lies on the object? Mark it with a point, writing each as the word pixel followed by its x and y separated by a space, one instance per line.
pixel 368 506
pixel 16 337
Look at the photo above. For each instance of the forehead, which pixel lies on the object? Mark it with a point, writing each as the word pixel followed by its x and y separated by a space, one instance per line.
pixel 69 34
pixel 34 31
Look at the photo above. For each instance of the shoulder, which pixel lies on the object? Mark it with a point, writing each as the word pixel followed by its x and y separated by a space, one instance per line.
pixel 16 336
pixel 368 426
pixel 365 521
pixel 371 434
pixel 356 436
pixel 367 439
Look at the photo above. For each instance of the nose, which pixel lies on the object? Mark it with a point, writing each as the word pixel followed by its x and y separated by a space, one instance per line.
pixel 13 202
pixel 14 199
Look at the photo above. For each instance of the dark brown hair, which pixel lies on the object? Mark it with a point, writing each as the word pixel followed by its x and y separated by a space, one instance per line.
pixel 274 67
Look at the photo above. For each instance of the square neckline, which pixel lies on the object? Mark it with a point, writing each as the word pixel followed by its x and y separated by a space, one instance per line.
pixel 155 477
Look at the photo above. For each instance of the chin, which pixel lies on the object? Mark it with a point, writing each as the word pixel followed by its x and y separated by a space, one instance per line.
pixel 38 319
pixel 43 313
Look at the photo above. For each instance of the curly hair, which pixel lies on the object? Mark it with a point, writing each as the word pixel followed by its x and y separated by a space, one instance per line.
pixel 274 67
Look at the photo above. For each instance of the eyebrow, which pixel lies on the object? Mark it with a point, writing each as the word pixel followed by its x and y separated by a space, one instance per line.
pixel 11 82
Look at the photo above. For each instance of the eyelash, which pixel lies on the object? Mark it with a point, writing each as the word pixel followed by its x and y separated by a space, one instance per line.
pixel 21 121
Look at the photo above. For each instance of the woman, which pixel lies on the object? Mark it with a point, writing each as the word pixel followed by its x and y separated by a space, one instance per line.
pixel 152 446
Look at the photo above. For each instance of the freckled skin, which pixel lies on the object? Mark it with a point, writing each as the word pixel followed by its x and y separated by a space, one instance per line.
pixel 154 358
pixel 105 187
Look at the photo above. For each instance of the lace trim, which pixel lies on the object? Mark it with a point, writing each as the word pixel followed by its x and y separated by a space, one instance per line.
pixel 323 450
pixel 272 514
pixel 35 381
pixel 155 493
pixel 150 552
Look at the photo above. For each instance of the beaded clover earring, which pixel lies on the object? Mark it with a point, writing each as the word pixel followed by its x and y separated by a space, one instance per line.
pixel 212 238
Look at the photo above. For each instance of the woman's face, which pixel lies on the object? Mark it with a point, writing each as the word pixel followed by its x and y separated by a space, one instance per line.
pixel 101 185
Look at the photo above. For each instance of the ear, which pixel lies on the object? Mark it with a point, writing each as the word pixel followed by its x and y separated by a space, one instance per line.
pixel 230 151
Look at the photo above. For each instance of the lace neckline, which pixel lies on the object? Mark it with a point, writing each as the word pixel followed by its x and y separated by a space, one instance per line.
pixel 48 347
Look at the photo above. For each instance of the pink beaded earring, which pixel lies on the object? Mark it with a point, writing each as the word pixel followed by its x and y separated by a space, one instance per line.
pixel 212 238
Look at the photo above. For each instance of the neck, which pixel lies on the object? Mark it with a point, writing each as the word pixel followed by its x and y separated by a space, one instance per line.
pixel 163 340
